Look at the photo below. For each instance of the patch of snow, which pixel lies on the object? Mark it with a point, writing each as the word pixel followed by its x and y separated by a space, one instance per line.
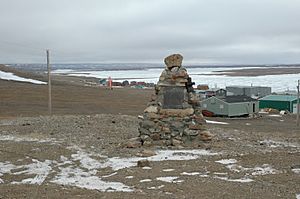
pixel 146 168
pixel 275 115
pixel 275 144
pixel 146 180
pixel 204 175
pixel 282 112
pixel 37 168
pixel 117 163
pixel 297 196
pixel 218 173
pixel 265 169
pixel 297 171
pixel 11 76
pixel 168 170
pixel 86 161
pixel 6 167
pixel 84 175
pixel 6 123
pixel 242 180
pixel 77 177
pixel 112 174
pixel 236 168
pixel 158 187
pixel 180 154
pixel 215 122
pixel 263 112
pixel 170 179
pixel 24 139
pixel 227 161
pixel 62 71
pixel 190 174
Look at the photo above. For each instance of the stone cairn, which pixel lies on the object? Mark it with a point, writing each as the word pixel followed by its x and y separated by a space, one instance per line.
pixel 173 117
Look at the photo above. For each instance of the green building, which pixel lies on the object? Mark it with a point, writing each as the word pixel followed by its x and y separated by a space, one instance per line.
pixel 279 102
pixel 230 105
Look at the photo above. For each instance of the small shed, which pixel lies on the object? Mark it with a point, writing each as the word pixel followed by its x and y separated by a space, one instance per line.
pixel 251 91
pixel 218 92
pixel 230 105
pixel 279 102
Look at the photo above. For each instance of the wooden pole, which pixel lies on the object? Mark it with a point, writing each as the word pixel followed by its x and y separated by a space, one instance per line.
pixel 49 83
pixel 298 107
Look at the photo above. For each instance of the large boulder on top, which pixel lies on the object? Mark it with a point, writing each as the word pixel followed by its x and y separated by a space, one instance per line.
pixel 174 60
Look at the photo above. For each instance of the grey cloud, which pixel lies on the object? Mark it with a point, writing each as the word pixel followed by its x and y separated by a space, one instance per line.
pixel 216 31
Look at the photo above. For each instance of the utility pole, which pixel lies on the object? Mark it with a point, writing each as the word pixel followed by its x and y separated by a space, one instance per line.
pixel 49 83
pixel 298 106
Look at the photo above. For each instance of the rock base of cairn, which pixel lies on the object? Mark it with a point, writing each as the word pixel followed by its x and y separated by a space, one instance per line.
pixel 173 117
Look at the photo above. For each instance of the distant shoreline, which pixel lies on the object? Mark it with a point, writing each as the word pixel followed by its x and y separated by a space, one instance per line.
pixel 254 72
pixel 133 66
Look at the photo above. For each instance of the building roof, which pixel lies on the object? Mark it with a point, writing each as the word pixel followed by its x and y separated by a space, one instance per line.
pixel 279 98
pixel 237 86
pixel 238 98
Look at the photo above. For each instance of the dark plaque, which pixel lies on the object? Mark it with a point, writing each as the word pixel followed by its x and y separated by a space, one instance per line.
pixel 173 97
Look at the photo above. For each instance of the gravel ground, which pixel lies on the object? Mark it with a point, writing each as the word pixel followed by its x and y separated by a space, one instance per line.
pixel 79 153
pixel 74 156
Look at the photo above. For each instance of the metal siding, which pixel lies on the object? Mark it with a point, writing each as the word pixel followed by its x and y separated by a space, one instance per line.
pixel 237 109
pixel 279 105
pixel 230 109
pixel 249 91
pixel 215 107
pixel 280 98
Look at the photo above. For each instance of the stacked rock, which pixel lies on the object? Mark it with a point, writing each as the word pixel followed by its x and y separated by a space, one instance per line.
pixel 172 116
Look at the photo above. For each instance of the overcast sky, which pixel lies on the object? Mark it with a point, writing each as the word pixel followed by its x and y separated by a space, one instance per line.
pixel 203 31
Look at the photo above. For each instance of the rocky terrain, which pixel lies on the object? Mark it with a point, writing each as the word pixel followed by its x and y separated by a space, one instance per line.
pixel 82 150
pixel 86 156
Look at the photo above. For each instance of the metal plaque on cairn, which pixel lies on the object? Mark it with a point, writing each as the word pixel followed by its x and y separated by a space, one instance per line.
pixel 173 97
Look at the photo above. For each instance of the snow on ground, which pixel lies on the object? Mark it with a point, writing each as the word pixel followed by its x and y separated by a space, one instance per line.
pixel 275 115
pixel 242 180
pixel 24 139
pixel 82 169
pixel 158 187
pixel 86 179
pixel 190 174
pixel 11 76
pixel 275 144
pixel 227 161
pixel 146 180
pixel 265 169
pixel 68 172
pixel 37 168
pixel 129 177
pixel 297 171
pixel 117 163
pixel 168 170
pixel 170 179
pixel 215 122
